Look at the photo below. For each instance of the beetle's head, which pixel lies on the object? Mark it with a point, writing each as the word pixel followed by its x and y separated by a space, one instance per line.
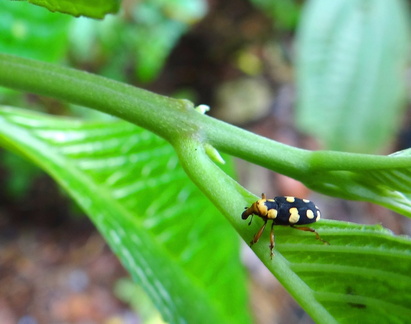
pixel 258 208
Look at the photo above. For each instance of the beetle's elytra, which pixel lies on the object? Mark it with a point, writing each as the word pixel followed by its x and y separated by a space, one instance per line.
pixel 284 210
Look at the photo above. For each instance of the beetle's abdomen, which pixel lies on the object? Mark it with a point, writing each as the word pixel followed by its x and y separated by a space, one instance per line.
pixel 295 211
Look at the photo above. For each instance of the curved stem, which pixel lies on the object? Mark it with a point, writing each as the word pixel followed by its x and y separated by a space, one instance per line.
pixel 231 198
pixel 167 117
pixel 333 173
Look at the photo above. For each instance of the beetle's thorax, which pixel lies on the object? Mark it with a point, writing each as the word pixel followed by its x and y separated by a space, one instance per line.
pixel 260 209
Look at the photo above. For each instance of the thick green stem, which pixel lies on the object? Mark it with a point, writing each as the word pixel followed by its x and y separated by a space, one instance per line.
pixel 169 118
pixel 175 120
pixel 229 197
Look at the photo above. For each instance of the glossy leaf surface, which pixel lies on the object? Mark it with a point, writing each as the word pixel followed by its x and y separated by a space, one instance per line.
pixel 157 222
pixel 351 67
pixel 93 9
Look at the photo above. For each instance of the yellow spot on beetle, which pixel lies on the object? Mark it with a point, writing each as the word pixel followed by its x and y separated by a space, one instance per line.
pixel 306 201
pixel 310 214
pixel 290 199
pixel 272 213
pixel 294 216
pixel 318 215
pixel 261 207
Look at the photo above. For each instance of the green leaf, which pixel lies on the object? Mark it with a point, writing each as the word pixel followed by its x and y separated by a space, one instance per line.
pixel 156 221
pixel 363 275
pixel 383 180
pixel 25 30
pixel 131 294
pixel 351 67
pixel 94 9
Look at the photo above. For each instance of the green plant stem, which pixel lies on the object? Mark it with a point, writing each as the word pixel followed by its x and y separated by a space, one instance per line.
pixel 168 117
pixel 175 119
pixel 228 196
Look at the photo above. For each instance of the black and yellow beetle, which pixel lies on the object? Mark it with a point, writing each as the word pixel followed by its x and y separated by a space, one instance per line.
pixel 285 210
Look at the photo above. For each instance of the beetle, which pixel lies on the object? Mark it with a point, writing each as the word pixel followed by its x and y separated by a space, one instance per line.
pixel 285 210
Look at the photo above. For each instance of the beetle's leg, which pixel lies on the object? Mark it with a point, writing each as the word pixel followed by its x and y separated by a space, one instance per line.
pixel 272 240
pixel 258 235
pixel 312 230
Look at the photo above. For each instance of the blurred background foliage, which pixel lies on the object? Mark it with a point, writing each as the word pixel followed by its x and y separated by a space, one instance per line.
pixel 334 70
pixel 351 72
